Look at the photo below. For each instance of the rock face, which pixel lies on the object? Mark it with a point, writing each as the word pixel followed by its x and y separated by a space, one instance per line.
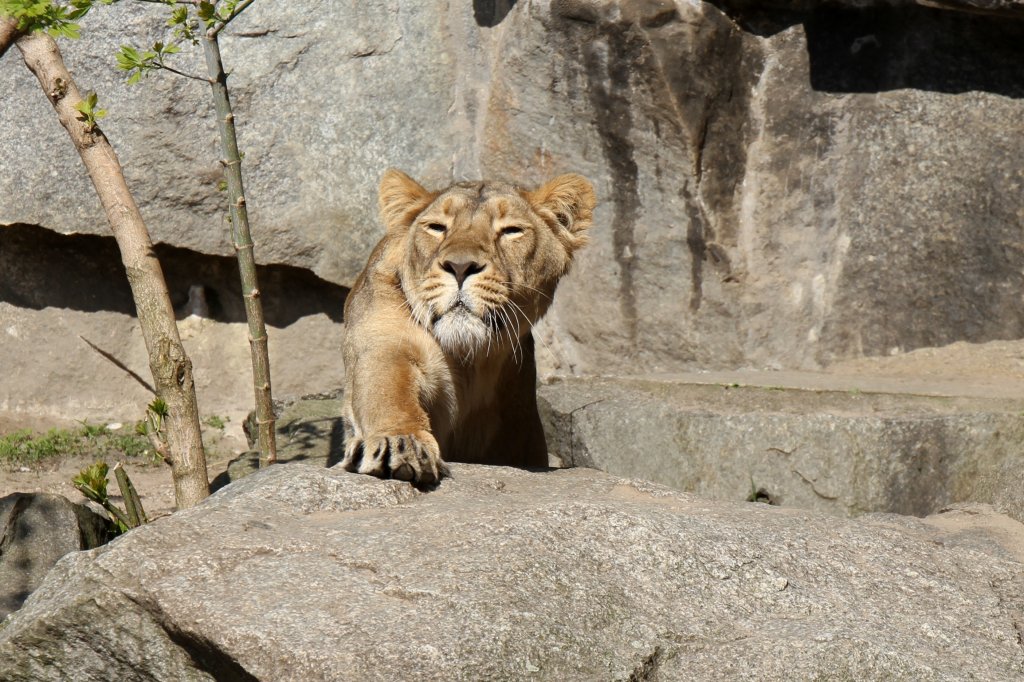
pixel 47 322
pixel 300 573
pixel 35 531
pixel 784 184
pixel 846 452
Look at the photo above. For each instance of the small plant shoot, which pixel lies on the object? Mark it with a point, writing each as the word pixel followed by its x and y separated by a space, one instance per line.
pixel 88 113
pixel 92 483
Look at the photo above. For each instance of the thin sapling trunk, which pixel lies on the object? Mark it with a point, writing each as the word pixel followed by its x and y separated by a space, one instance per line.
pixel 171 367
pixel 242 240
pixel 186 19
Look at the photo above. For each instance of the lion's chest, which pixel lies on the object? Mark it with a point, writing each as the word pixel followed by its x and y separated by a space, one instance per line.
pixel 468 422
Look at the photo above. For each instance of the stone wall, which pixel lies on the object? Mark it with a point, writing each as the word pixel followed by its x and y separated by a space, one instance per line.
pixel 783 184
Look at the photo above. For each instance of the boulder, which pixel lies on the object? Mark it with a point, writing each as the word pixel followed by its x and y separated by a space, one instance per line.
pixel 304 573
pixel 37 529
pixel 887 436
pixel 834 447
pixel 783 188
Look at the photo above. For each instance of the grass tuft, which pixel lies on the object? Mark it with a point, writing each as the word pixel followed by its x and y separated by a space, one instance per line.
pixel 25 447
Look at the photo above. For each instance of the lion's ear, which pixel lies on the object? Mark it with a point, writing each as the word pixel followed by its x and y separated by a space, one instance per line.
pixel 401 199
pixel 569 200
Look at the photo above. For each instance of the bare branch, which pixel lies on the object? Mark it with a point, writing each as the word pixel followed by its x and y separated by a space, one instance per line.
pixel 170 365
pixel 120 365
pixel 8 33
pixel 160 65
pixel 239 8
pixel 242 240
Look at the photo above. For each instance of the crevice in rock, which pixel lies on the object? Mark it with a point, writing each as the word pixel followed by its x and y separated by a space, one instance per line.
pixel 204 654
pixel 209 658
pixel 45 269
pixel 490 13
pixel 894 48
pixel 648 668
pixel 695 242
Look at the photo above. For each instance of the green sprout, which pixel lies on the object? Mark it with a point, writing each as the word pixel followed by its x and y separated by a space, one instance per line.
pixel 87 111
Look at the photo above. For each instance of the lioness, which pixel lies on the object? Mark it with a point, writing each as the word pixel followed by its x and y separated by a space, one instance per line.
pixel 438 346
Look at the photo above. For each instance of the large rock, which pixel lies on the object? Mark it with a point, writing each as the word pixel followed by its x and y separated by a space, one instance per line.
pixel 301 573
pixel 784 189
pixel 35 531
pixel 842 451
pixel 48 322
pixel 783 184
pixel 307 83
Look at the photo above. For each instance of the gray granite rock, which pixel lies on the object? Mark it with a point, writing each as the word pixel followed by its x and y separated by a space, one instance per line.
pixel 37 529
pixel 310 430
pixel 783 184
pixel 841 452
pixel 314 119
pixel 303 573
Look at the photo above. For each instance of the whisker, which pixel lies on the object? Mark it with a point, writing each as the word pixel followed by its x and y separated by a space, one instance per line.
pixel 513 339
pixel 526 319
pixel 527 286
pixel 502 320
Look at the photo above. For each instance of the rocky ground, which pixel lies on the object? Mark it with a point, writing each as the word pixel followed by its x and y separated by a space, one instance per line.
pixel 707 587
pixel 152 480
pixel 991 370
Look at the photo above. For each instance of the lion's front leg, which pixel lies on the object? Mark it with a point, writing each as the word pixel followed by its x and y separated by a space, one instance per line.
pixel 390 429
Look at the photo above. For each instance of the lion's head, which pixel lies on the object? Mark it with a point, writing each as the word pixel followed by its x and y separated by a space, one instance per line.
pixel 482 259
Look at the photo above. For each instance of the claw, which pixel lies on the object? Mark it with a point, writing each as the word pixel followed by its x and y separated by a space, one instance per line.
pixel 407 457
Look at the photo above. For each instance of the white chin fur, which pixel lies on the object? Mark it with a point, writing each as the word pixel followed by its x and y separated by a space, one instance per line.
pixel 460 333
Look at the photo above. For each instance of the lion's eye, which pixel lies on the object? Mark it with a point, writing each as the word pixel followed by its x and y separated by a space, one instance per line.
pixel 437 228
pixel 511 231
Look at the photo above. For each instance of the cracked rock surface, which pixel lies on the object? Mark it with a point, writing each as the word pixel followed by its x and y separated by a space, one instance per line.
pixel 838 444
pixel 782 184
pixel 303 573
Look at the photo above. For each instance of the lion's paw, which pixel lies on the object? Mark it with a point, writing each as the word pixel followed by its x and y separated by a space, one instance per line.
pixel 413 457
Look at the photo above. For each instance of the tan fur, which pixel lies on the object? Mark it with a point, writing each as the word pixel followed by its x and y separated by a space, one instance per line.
pixel 438 346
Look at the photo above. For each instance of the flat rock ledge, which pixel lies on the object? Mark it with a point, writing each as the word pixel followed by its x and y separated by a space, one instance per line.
pixel 305 573
pixel 813 446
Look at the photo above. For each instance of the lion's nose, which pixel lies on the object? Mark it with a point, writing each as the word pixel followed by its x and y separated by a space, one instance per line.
pixel 461 269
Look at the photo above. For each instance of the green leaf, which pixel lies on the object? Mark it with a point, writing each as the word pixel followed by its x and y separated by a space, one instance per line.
pixel 179 15
pixel 92 481
pixel 159 407
pixel 54 18
pixel 128 58
pixel 88 111
pixel 207 12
